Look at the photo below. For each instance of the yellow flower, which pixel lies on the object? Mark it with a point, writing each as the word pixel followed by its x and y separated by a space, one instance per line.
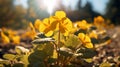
pixel 64 24
pixel 57 22
pixel 47 27
pixel 86 41
pixel 5 38
pixel 60 15
pixel 31 26
pixel 93 34
pixel 83 24
pixel 65 27
pixel 31 33
pixel 37 24
pixel 16 39
pixel 11 33
pixel 99 22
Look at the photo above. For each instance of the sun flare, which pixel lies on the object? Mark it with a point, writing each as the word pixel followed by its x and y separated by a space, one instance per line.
pixel 50 5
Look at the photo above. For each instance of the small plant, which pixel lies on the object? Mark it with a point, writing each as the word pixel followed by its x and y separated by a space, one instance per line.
pixel 64 44
pixel 59 43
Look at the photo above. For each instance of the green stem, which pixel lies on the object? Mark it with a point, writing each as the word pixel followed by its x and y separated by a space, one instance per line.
pixel 58 45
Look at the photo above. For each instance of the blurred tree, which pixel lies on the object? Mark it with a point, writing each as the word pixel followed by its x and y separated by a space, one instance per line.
pixel 113 11
pixel 6 12
pixel 89 10
pixel 85 12
pixel 36 10
pixel 20 19
pixel 12 16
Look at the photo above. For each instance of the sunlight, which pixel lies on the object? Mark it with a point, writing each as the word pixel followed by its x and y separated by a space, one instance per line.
pixel 50 5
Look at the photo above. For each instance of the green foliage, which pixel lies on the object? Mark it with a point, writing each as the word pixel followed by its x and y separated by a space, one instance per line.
pixel 104 64
pixel 72 41
pixel 1 65
pixel 9 56
pixel 4 62
pixel 67 52
pixel 37 56
pixel 94 40
pixel 64 48
pixel 20 59
pixel 18 65
pixel 80 31
pixel 43 40
pixel 86 53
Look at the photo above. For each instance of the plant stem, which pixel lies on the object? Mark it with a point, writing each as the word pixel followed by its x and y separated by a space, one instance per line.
pixel 58 45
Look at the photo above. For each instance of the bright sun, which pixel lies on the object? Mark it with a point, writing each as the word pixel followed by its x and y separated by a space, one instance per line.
pixel 50 5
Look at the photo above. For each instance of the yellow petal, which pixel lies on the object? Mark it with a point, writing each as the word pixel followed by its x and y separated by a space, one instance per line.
pixel 89 45
pixel 46 21
pixel 66 33
pixel 60 14
pixel 82 24
pixel 16 39
pixel 49 33
pixel 5 39
pixel 37 23
pixel 31 26
pixel 87 39
pixel 42 27
pixel 81 36
pixel 68 24
pixel 93 35
pixel 54 25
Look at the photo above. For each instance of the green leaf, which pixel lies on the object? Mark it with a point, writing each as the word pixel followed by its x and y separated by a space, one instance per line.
pixel 104 64
pixel 9 56
pixel 86 53
pixel 4 62
pixel 103 38
pixel 119 58
pixel 37 64
pixel 37 56
pixel 1 65
pixel 39 47
pixel 40 35
pixel 43 40
pixel 18 65
pixel 72 41
pixel 48 49
pixel 51 60
pixel 80 31
pixel 89 60
pixel 93 28
pixel 21 50
pixel 24 59
pixel 94 41
pixel 66 52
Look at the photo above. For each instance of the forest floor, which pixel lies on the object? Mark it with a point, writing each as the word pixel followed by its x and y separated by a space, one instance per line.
pixel 105 53
pixel 111 51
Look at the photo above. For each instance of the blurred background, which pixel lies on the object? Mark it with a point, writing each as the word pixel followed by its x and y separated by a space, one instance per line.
pixel 17 13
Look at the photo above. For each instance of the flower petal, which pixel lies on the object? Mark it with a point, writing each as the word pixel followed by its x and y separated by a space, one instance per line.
pixel 81 36
pixel 60 14
pixel 37 23
pixel 89 45
pixel 42 27
pixel 87 39
pixel 49 33
pixel 68 24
